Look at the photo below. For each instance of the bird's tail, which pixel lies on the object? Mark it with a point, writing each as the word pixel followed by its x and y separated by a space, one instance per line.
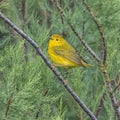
pixel 85 64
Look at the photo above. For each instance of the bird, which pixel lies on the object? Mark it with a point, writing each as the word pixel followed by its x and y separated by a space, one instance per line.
pixel 63 54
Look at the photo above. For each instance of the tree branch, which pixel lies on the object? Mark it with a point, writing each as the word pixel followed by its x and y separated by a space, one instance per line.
pixel 56 72
pixel 103 47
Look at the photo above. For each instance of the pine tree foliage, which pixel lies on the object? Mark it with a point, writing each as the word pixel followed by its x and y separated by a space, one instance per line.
pixel 28 89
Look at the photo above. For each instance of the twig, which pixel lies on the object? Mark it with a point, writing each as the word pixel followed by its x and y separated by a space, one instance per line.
pixel 118 86
pixel 23 9
pixel 38 112
pixel 8 105
pixel 62 17
pixel 104 47
pixel 116 79
pixel 83 29
pixel 59 8
pixel 101 105
pixel 56 72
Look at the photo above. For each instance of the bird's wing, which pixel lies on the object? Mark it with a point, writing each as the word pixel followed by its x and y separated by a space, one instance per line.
pixel 71 55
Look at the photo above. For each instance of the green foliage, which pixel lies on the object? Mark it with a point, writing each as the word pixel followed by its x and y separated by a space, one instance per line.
pixel 28 89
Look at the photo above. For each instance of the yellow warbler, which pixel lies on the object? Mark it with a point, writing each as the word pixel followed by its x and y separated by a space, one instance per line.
pixel 63 54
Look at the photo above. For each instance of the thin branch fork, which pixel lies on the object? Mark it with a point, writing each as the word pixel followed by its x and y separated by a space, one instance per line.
pixel 104 46
pixel 56 72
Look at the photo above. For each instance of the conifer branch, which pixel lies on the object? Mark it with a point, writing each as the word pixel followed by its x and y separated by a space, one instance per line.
pixel 100 29
pixel 56 72
pixel 62 15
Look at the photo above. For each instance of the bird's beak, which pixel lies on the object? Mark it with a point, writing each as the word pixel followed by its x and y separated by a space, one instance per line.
pixel 51 38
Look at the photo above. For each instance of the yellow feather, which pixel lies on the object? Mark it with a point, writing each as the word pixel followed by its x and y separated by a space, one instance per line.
pixel 63 54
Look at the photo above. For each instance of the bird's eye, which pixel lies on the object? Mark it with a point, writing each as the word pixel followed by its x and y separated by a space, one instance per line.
pixel 57 39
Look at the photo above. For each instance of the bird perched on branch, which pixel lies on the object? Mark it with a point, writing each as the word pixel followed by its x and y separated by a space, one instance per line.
pixel 63 54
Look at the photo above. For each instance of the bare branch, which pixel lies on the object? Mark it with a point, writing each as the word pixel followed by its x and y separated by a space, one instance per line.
pixel 103 47
pixel 56 72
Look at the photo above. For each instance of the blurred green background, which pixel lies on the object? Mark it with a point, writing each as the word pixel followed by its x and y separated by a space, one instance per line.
pixel 28 89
